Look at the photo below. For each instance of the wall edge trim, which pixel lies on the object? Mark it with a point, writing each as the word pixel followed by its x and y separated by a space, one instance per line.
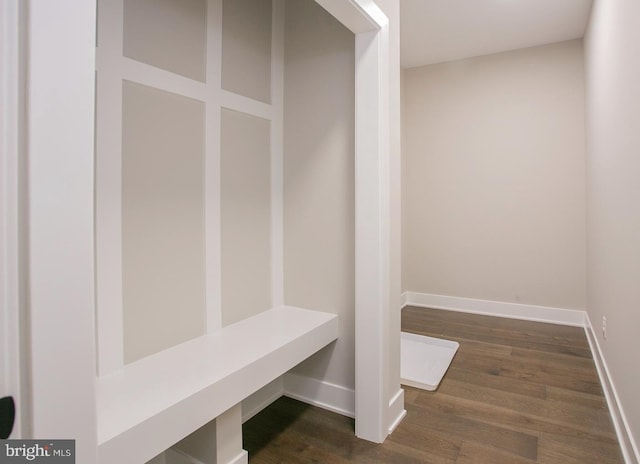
pixel 628 446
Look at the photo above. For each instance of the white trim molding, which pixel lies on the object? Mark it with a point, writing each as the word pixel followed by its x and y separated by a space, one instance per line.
pixel 628 445
pixel 571 317
pixel 325 395
pixel 59 126
pixel 12 251
pixel 397 412
pixel 277 153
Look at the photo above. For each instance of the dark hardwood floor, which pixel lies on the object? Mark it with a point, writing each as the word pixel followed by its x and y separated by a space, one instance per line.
pixel 516 392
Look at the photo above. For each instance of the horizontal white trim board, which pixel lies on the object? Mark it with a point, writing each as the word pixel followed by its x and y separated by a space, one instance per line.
pixel 325 395
pixel 235 102
pixel 525 312
pixel 627 443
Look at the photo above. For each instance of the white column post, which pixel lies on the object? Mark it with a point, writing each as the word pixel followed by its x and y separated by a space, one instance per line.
pixel 373 247
pixel 60 170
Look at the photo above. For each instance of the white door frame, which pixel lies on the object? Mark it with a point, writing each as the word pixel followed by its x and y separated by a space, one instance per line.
pixel 60 139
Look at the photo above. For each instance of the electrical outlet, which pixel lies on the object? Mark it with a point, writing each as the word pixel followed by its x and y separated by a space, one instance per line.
pixel 604 327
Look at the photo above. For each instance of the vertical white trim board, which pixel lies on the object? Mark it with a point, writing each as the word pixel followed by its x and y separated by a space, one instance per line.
pixel 108 188
pixel 11 256
pixel 277 154
pixel 372 281
pixel 571 317
pixel 60 147
pixel 212 203
pixel 628 444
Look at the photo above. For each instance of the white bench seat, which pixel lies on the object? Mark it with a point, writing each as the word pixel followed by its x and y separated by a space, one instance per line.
pixel 152 403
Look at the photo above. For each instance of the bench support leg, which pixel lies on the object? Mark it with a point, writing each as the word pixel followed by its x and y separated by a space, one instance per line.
pixel 229 437
pixel 219 441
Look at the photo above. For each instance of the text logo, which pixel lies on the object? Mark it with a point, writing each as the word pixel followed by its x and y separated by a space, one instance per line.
pixel 37 451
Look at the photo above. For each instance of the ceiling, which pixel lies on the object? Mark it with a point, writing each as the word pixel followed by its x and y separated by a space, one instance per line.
pixel 434 31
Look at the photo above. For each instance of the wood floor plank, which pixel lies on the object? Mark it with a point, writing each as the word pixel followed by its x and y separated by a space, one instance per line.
pixel 523 334
pixel 474 453
pixel 435 443
pixel 591 400
pixel 435 417
pixel 413 452
pixel 517 392
pixel 558 412
pixel 552 450
pixel 508 418
pixel 482 379
pixel 537 373
pixel 559 359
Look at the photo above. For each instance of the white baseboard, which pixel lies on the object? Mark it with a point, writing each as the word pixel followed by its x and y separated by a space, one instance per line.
pixel 255 403
pixel 316 392
pixel 547 314
pixel 397 412
pixel 312 391
pixel 627 443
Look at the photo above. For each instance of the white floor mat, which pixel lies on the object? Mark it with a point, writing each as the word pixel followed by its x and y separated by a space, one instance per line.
pixel 424 360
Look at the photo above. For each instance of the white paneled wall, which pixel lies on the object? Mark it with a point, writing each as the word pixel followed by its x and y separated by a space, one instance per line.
pixel 195 87
pixel 200 220
pixel 184 157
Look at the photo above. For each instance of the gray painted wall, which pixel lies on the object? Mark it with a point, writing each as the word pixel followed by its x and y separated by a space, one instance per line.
pixel 613 192
pixel 494 177
pixel 319 162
